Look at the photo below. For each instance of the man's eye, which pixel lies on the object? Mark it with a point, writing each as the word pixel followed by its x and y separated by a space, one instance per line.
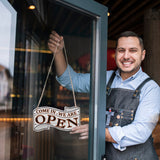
pixel 133 50
pixel 121 50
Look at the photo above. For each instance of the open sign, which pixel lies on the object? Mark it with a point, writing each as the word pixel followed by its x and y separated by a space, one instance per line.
pixel 46 117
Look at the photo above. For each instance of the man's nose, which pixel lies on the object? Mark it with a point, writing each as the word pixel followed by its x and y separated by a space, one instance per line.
pixel 126 54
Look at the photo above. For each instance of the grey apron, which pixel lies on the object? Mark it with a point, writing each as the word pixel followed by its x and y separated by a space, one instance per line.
pixel 123 103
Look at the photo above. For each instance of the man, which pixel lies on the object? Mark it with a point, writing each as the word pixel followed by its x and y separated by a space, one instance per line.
pixel 132 97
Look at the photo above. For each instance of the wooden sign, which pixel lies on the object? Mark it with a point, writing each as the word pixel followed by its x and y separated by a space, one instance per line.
pixel 46 117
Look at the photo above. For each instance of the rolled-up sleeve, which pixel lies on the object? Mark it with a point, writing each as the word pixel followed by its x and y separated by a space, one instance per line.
pixel 146 118
pixel 80 81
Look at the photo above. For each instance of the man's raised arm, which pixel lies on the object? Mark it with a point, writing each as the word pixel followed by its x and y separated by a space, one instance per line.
pixel 56 44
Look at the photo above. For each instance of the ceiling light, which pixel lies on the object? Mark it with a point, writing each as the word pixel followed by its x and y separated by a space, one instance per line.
pixel 31 7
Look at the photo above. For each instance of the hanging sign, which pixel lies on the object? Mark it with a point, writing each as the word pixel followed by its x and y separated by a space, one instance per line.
pixel 46 117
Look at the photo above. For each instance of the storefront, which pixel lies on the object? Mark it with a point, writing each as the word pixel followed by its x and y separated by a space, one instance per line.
pixel 24 66
pixel 24 63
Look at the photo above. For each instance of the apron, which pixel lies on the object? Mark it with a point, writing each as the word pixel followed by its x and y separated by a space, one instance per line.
pixel 121 108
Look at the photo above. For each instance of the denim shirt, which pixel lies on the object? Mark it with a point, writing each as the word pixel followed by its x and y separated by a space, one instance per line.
pixel 147 113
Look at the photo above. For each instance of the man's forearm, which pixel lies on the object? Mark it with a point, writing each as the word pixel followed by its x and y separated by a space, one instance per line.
pixel 108 137
pixel 56 45
pixel 60 63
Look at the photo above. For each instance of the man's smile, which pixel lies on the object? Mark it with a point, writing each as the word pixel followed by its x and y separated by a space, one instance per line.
pixel 127 63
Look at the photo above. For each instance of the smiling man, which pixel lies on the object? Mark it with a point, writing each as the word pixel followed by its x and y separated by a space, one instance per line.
pixel 129 55
pixel 133 103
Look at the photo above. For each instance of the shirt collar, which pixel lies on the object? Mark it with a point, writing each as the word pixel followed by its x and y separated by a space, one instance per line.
pixel 132 77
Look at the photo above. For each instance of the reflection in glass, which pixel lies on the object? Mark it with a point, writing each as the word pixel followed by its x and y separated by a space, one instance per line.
pixel 7 45
pixel 31 63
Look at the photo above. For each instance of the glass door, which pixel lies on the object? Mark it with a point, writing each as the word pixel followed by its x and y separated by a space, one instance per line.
pixel 25 62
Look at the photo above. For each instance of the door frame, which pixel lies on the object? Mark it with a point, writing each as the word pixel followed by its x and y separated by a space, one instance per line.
pixel 97 106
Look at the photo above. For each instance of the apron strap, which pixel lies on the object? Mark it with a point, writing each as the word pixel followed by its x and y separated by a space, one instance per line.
pixel 138 90
pixel 108 90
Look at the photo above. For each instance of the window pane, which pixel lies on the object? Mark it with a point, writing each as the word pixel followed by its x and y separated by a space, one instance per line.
pixel 23 72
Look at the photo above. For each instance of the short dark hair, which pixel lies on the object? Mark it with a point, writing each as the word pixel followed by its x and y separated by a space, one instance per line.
pixel 131 34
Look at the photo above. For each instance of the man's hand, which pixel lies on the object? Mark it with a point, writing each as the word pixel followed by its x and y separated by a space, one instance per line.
pixel 82 130
pixel 55 43
pixel 108 137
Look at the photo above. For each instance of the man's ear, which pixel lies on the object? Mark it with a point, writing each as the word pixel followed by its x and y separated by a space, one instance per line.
pixel 143 54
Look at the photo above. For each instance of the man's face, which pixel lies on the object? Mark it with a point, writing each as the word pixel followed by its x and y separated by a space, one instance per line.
pixel 129 56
